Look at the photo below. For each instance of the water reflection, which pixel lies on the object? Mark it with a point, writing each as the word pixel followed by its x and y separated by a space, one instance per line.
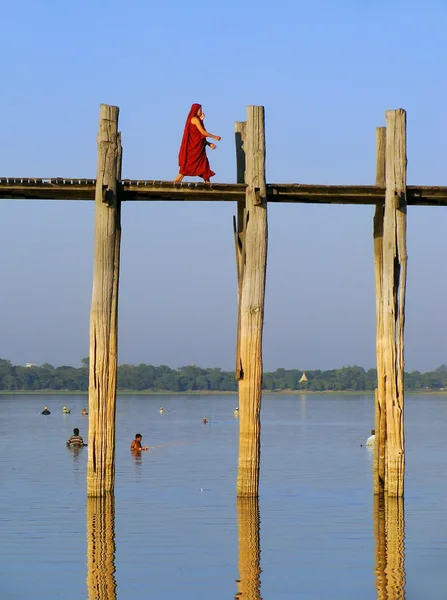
pixel 101 582
pixel 389 531
pixel 249 582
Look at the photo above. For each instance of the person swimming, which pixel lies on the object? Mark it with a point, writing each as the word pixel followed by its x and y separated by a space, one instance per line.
pixel 45 411
pixel 75 440
pixel 372 438
pixel 136 446
pixel 84 412
pixel 162 410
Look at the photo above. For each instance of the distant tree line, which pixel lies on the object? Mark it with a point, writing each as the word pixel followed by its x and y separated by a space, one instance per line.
pixel 143 377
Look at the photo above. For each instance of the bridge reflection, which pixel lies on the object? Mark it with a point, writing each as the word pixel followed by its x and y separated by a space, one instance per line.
pixel 249 582
pixel 101 582
pixel 389 531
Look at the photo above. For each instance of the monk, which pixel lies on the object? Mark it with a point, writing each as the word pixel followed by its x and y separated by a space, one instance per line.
pixel 192 158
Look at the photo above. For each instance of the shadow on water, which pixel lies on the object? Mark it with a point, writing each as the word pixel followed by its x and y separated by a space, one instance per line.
pixel 249 582
pixel 101 581
pixel 389 531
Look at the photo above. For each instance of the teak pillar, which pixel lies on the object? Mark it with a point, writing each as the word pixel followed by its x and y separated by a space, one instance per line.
pixel 394 287
pixel 380 410
pixel 251 305
pixel 104 308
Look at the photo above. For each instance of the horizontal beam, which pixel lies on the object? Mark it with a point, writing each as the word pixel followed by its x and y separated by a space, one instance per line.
pixel 158 191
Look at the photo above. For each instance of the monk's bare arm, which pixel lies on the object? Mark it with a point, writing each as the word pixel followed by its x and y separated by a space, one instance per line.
pixel 205 133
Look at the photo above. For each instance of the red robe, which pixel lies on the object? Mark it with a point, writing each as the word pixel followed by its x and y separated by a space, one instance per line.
pixel 192 158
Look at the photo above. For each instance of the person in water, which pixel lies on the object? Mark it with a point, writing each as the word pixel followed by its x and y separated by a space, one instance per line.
pixel 84 412
pixel 372 438
pixel 75 441
pixel 45 411
pixel 192 158
pixel 136 446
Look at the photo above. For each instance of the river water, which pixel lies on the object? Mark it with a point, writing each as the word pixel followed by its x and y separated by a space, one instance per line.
pixel 174 528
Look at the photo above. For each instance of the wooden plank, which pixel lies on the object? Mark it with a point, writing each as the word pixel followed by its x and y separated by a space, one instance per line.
pixel 252 306
pixel 380 409
pixel 166 191
pixel 394 287
pixel 103 313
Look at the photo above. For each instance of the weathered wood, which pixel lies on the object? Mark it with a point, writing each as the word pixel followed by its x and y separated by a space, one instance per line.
pixel 248 522
pixel 101 582
pixel 239 232
pixel 252 306
pixel 103 314
pixel 394 287
pixel 380 408
pixel 167 191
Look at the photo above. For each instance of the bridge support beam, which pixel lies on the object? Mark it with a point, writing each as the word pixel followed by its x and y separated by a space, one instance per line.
pixel 251 248
pixel 380 408
pixel 390 290
pixel 104 308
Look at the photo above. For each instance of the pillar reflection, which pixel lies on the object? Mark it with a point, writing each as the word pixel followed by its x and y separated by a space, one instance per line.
pixel 389 531
pixel 249 582
pixel 101 582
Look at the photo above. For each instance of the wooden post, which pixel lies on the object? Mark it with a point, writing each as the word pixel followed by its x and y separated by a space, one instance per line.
pixel 249 582
pixel 380 410
pixel 252 306
pixel 101 582
pixel 104 309
pixel 239 231
pixel 394 287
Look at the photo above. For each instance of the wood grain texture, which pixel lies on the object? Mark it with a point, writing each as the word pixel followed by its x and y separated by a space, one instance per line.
pixel 252 305
pixel 394 287
pixel 104 308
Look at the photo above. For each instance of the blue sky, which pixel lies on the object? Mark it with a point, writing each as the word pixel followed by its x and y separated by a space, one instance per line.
pixel 325 71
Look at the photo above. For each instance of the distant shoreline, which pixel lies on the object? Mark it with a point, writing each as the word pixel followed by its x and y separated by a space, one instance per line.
pixel 214 393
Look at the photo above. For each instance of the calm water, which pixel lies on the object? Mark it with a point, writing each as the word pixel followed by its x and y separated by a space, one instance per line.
pixel 177 530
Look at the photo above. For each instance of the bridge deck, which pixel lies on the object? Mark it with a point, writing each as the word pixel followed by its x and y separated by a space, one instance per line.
pixel 156 191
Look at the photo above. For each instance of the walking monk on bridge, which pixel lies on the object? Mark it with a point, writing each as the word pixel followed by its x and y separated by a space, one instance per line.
pixel 192 158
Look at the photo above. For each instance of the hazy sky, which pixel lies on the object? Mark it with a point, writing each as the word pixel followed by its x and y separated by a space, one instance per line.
pixel 325 71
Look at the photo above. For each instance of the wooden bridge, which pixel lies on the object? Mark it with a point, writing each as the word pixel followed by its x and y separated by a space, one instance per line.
pixel 252 194
pixel 140 190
